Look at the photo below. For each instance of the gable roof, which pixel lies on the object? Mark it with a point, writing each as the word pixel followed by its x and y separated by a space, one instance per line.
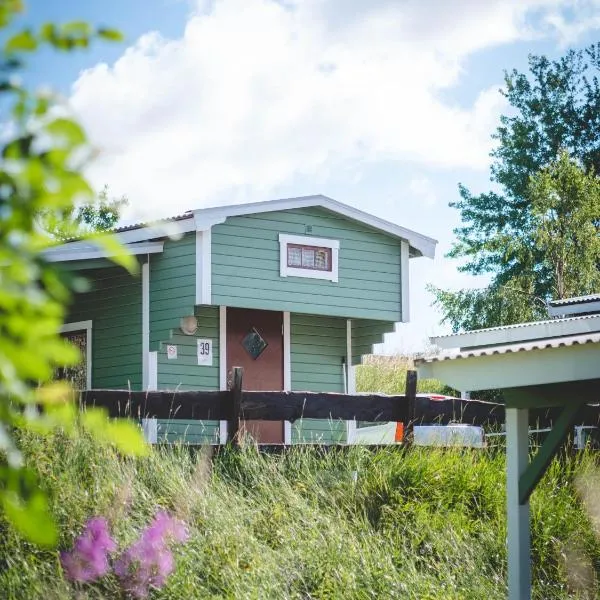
pixel 420 244
pixel 204 218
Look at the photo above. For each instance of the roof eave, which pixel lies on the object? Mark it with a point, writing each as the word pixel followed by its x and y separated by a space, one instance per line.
pixel 420 244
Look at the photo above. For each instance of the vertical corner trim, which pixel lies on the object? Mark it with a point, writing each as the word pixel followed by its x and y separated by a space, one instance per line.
pixel 204 267
pixel 287 371
pixel 287 352
pixel 222 348
pixel 152 371
pixel 351 381
pixel 405 279
pixel 146 323
pixel 223 366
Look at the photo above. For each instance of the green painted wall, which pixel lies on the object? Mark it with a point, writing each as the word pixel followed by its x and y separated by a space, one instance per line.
pixel 245 266
pixel 318 345
pixel 184 373
pixel 366 333
pixel 172 287
pixel 114 305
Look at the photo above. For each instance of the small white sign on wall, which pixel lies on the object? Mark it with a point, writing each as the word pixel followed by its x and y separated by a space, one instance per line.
pixel 205 352
pixel 171 351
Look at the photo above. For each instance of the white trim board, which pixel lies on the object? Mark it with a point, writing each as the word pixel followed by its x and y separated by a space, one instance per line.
pixel 87 250
pixel 287 371
pixel 302 240
pixel 146 324
pixel 87 327
pixel 204 267
pixel 223 366
pixel 405 279
pixel 351 382
pixel 421 244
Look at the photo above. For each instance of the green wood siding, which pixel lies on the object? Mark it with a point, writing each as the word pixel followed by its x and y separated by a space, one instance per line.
pixel 184 373
pixel 245 266
pixel 114 305
pixel 318 345
pixel 366 333
pixel 172 286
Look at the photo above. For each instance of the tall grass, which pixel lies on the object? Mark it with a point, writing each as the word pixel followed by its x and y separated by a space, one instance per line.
pixel 308 523
pixel 387 375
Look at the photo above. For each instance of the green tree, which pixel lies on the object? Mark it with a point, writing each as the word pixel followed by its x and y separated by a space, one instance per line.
pixel 41 159
pixel 566 208
pixel 555 106
pixel 99 214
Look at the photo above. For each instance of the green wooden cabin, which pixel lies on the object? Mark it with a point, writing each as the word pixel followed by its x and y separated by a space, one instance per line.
pixel 295 291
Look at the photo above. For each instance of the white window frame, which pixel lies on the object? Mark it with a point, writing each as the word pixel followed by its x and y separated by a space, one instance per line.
pixel 301 240
pixel 87 327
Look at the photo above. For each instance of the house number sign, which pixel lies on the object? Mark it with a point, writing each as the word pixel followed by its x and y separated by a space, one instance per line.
pixel 205 353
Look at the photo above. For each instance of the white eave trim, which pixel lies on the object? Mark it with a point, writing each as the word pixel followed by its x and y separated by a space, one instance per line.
pixel 521 332
pixel 87 251
pixel 578 308
pixel 555 360
pixel 422 244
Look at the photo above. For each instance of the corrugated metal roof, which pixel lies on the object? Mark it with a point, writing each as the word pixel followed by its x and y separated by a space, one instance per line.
pixel 573 340
pixel 576 300
pixel 515 326
pixel 186 215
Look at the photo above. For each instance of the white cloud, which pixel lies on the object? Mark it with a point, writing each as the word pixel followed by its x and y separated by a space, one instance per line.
pixel 259 92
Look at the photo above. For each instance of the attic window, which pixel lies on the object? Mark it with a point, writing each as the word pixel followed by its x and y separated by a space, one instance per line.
pixel 303 256
pixel 309 257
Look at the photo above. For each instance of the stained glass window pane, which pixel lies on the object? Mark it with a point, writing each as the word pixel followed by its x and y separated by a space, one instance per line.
pixel 294 256
pixel 308 258
pixel 322 259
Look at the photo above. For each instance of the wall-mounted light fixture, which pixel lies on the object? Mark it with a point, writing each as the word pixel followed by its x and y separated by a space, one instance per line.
pixel 188 325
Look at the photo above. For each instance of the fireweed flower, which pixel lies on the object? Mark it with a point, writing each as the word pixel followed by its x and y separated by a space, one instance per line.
pixel 88 560
pixel 149 561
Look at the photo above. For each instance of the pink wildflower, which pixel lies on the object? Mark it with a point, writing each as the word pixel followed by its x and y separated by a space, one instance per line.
pixel 88 560
pixel 149 561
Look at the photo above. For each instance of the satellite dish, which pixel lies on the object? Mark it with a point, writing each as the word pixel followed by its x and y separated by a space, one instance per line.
pixel 188 325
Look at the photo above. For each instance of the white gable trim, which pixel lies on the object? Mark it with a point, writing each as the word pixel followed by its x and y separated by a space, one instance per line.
pixel 86 250
pixel 424 245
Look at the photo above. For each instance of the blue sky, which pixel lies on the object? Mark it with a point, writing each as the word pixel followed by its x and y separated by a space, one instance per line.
pixel 384 105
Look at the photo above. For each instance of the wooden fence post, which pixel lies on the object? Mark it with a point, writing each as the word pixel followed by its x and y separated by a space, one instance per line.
pixel 410 397
pixel 236 403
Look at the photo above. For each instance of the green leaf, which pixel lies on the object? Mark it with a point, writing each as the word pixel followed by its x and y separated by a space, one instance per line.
pixel 112 35
pixel 24 41
pixel 78 28
pixel 26 506
pixel 67 129
pixel 124 435
pixel 48 32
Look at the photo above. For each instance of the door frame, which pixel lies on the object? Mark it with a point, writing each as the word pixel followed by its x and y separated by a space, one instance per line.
pixel 287 368
pixel 87 327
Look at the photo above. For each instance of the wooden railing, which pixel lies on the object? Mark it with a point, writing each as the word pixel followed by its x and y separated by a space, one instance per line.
pixel 237 403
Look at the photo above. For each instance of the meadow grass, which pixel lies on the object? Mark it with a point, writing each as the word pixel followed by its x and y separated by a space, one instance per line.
pixel 315 523
pixel 387 374
pixel 309 523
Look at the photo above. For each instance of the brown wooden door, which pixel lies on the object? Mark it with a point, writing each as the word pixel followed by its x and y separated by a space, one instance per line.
pixel 255 342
